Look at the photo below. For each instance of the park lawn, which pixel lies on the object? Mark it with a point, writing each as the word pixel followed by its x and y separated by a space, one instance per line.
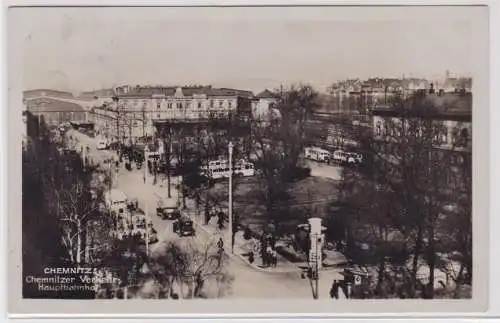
pixel 308 197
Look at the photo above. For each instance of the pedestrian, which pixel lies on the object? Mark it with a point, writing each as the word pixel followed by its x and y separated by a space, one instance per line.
pixel 207 214
pixel 220 244
pixel 251 257
pixel 220 221
pixel 274 258
pixel 345 288
pixel 334 291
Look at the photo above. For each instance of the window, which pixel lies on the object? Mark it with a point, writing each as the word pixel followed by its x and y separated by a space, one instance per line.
pixel 378 128
pixel 388 130
pixel 211 103
pixel 199 105
pixel 230 104
pixel 179 105
pixel 464 137
pixel 158 105
pixel 221 104
pixel 169 105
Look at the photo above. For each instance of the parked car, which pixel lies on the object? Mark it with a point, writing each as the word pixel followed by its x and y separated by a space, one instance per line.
pixel 347 158
pixel 168 213
pixel 184 227
pixel 150 234
pixel 339 156
pixel 102 145
pixel 354 159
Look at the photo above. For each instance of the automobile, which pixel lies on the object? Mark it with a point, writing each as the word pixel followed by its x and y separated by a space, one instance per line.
pixel 184 227
pixel 354 159
pixel 115 200
pixel 339 156
pixel 150 234
pixel 349 158
pixel 143 227
pixel 168 213
pixel 169 210
pixel 102 145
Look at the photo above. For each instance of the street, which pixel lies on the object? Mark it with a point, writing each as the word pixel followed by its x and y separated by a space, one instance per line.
pixel 249 282
pixel 324 170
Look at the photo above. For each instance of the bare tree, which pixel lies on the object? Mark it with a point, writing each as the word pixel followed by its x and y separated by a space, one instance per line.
pixel 279 142
pixel 76 206
pixel 167 266
pixel 191 265
pixel 406 162
pixel 206 263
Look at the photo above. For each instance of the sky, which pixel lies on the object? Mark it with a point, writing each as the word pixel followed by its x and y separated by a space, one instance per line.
pixel 77 49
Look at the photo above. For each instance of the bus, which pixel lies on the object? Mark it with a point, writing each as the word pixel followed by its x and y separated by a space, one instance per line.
pixel 217 169
pixel 115 200
pixel 317 154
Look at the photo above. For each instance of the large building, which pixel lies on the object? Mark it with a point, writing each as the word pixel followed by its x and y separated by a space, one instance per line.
pixel 142 111
pixel 448 126
pixel 55 111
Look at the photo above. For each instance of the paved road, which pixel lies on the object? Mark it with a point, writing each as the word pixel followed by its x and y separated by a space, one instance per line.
pixel 248 281
pixel 324 170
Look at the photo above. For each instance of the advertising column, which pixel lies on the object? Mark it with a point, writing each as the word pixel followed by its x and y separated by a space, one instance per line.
pixel 315 259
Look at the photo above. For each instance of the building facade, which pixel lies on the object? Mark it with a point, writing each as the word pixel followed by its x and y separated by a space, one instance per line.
pixel 138 112
pixel 447 128
pixel 263 105
pixel 55 111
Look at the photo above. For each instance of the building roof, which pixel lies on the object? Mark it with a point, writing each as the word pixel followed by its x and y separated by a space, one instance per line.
pixel 46 92
pixel 149 91
pixel 52 105
pixel 266 94
pixel 98 93
pixel 448 106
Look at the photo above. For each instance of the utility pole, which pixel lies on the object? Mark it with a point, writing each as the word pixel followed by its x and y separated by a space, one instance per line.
pixel 130 130
pixel 110 175
pixel 230 206
pixel 146 158
pixel 317 267
pixel 169 161
pixel 147 230
pixel 143 122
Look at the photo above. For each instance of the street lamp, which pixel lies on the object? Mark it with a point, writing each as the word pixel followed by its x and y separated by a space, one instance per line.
pixel 230 207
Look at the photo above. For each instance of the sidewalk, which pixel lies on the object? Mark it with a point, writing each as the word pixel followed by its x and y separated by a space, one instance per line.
pixel 241 246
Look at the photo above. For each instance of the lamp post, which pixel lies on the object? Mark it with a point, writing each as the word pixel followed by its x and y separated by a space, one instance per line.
pixel 230 207
pixel 147 230
pixel 146 158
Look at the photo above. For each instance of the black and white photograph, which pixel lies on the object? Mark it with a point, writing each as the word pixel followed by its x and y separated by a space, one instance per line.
pixel 176 153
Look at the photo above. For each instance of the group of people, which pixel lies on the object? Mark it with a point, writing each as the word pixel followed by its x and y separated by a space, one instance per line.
pixel 269 257
pixel 268 251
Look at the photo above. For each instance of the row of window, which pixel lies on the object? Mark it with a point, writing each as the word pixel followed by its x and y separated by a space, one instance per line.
pixel 186 104
pixel 459 136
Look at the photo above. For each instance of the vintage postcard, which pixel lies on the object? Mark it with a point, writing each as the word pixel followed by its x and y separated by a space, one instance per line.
pixel 248 159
